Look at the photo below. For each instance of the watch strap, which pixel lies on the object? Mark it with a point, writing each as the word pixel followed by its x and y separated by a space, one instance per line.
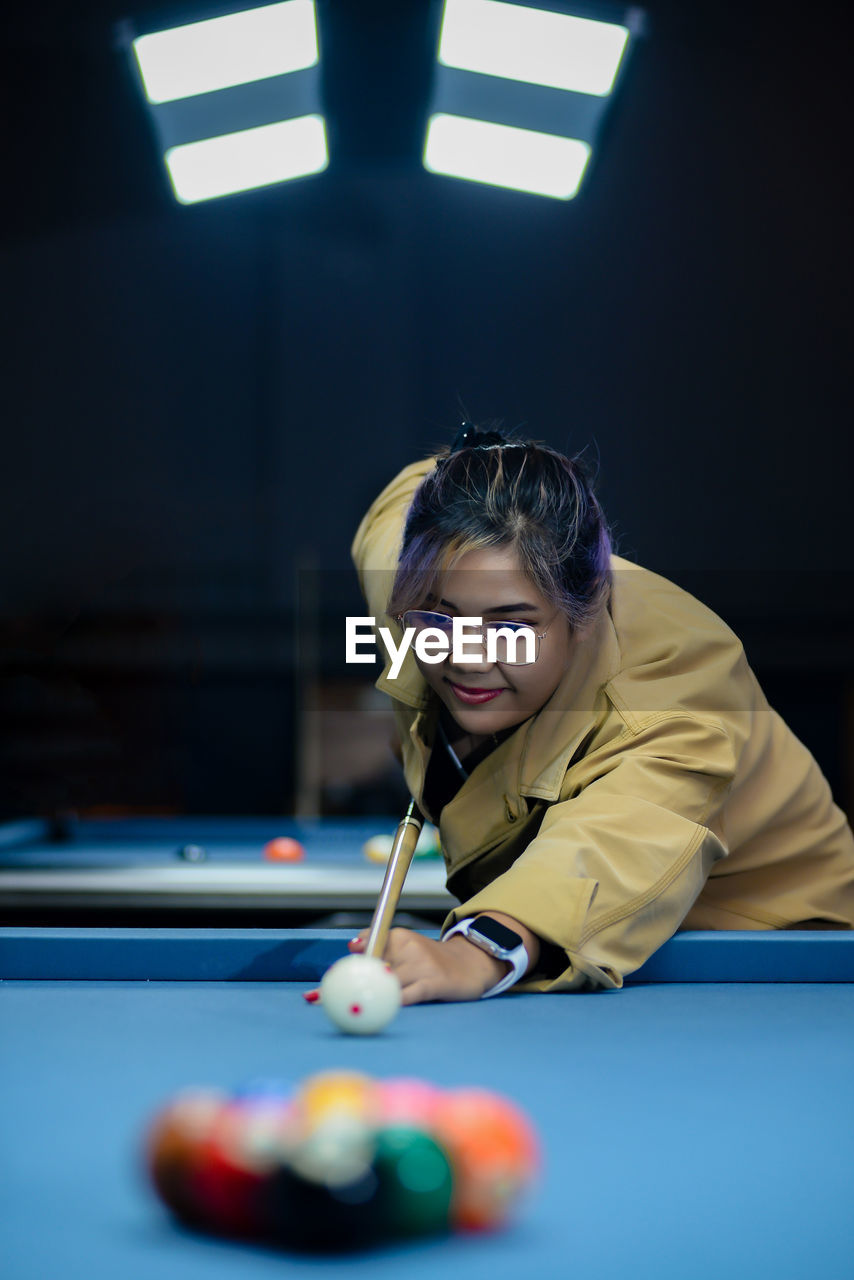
pixel 518 957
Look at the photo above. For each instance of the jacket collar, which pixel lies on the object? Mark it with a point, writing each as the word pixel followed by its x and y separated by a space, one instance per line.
pixel 556 731
pixel 532 761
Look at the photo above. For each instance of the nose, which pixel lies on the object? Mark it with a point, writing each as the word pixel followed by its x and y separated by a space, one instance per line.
pixel 473 655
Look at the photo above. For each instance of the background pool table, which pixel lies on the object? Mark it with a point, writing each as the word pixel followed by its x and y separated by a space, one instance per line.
pixel 128 871
pixel 693 1126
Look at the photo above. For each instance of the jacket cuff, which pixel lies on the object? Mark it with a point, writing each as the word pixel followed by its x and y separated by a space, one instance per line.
pixel 559 924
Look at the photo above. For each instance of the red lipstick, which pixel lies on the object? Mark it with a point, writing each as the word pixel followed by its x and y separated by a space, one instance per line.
pixel 473 697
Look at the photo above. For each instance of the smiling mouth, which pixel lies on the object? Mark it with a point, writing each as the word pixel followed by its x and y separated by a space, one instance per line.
pixel 474 696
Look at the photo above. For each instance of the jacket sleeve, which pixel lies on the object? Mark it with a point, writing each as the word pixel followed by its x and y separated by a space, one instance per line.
pixel 614 870
pixel 378 539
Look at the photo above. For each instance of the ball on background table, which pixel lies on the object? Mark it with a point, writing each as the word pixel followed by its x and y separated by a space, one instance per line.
pixel 378 848
pixel 192 853
pixel 360 994
pixel 284 849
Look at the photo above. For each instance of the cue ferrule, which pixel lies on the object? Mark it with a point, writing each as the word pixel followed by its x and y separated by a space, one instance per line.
pixel 402 852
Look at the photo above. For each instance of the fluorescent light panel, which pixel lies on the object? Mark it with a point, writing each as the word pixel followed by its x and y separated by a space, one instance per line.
pixel 541 163
pixel 251 158
pixel 541 47
pixel 222 52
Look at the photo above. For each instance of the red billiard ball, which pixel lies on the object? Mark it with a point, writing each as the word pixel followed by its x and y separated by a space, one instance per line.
pixel 284 849
pixel 174 1146
pixel 243 1150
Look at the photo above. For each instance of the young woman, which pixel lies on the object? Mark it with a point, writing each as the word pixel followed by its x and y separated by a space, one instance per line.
pixel 621 779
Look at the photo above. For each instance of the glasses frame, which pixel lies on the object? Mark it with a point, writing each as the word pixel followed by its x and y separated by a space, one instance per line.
pixel 446 617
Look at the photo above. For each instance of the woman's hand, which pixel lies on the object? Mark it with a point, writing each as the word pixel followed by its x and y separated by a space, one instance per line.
pixel 431 970
pixel 452 970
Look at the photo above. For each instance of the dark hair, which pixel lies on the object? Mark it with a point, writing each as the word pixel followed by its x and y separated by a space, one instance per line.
pixel 489 490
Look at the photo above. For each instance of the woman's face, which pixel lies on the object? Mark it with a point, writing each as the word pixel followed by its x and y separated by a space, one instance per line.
pixel 486 697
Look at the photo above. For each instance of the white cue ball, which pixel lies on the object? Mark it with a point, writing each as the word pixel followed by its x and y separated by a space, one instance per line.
pixel 360 994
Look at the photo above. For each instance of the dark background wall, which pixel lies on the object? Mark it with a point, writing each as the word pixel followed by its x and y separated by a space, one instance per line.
pixel 199 402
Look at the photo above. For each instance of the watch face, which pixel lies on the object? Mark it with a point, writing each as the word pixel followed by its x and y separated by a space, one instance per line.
pixel 503 937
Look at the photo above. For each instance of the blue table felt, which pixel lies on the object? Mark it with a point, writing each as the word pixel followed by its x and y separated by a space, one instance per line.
pixel 692 1128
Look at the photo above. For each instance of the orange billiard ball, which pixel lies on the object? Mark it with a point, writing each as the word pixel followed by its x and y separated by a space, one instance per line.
pixel 284 849
pixel 494 1154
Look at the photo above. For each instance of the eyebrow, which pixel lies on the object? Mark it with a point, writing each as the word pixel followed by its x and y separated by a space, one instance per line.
pixel 521 607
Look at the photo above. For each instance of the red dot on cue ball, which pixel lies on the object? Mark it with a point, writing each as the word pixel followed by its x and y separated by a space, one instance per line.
pixel 284 849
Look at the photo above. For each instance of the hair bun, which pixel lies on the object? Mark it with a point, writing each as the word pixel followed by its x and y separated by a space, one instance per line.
pixel 469 437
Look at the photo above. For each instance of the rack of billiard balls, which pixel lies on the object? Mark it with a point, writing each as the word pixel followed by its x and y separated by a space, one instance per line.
pixel 342 1161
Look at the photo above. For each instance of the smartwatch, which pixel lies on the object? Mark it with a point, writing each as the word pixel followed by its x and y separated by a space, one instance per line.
pixel 499 941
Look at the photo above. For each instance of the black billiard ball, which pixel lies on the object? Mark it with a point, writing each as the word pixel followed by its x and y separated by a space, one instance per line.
pixel 61 827
pixel 193 853
pixel 316 1216
pixel 325 1197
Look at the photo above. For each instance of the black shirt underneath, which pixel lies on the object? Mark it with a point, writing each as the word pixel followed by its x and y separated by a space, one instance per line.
pixel 443 779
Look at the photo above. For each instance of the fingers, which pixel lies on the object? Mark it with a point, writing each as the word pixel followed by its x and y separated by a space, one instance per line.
pixel 418 991
pixel 395 937
pixel 412 959
pixel 399 942
pixel 414 965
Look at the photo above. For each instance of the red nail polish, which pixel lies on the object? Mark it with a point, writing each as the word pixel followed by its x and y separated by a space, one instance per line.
pixel 311 996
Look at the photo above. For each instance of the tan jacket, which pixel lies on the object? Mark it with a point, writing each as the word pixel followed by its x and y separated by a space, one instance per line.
pixel 655 791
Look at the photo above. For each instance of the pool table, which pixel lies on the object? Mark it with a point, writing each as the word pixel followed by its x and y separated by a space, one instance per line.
pixel 129 871
pixel 697 1124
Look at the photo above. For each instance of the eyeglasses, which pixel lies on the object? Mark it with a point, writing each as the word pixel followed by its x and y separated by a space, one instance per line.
pixel 514 644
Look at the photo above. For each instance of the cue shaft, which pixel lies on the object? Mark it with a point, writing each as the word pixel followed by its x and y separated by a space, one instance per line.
pixel 402 853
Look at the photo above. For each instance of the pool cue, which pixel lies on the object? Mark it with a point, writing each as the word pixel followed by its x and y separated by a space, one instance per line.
pixel 402 852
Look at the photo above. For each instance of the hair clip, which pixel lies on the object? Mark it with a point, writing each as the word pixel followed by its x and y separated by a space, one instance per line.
pixel 465 438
